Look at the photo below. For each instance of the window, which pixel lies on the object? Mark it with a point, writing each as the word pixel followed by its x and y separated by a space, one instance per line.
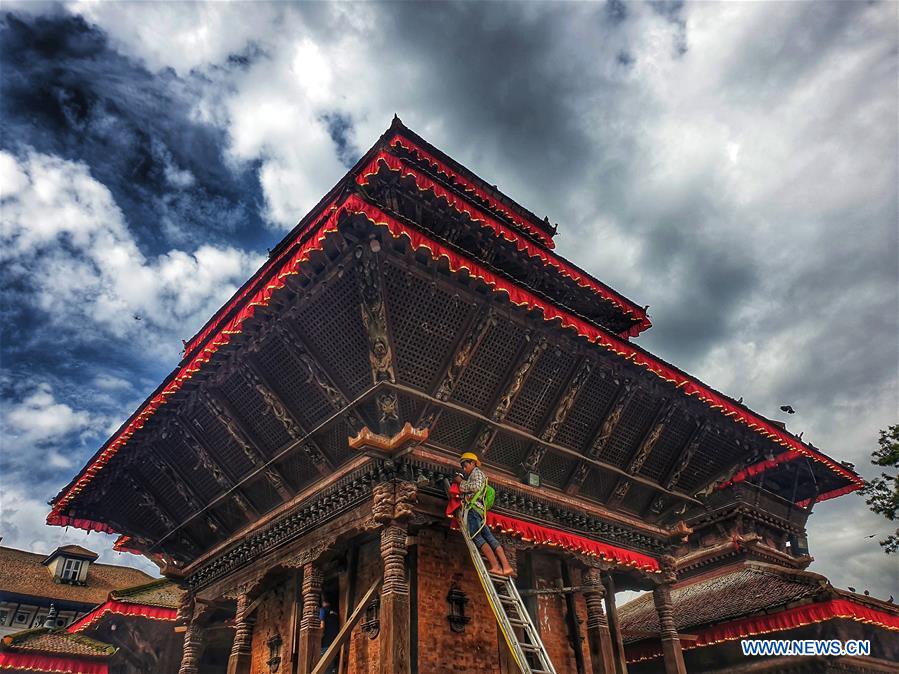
pixel 71 569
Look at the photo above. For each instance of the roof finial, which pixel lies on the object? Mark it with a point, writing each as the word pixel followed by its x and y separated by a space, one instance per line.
pixel 397 123
pixel 50 622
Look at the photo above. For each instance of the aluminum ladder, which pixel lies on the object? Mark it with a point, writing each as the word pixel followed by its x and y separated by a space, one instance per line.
pixel 514 622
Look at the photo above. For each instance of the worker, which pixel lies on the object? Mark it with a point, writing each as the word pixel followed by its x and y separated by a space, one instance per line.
pixel 473 485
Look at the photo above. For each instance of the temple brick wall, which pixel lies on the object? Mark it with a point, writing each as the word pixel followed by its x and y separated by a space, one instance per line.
pixel 272 617
pixel 364 652
pixel 442 558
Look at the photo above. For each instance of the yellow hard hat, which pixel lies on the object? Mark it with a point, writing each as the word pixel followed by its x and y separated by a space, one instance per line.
pixel 470 456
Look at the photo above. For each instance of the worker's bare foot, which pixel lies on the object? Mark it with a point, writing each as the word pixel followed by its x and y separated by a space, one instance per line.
pixel 508 572
pixel 496 572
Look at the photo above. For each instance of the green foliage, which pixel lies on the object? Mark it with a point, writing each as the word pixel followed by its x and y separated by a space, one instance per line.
pixel 882 493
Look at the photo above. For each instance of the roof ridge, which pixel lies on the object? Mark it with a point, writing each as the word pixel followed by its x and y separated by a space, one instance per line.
pixel 136 589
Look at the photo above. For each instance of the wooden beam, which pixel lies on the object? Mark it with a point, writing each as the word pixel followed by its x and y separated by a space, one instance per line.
pixel 215 469
pixel 374 312
pixel 519 376
pixel 685 456
pixel 184 489
pixel 561 407
pixel 256 378
pixel 306 357
pixel 222 410
pixel 559 449
pixel 642 452
pixel 344 634
pixel 148 501
pixel 466 345
pixel 601 438
pixel 510 390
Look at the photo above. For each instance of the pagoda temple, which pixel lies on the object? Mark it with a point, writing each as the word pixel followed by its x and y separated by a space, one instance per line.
pixel 293 467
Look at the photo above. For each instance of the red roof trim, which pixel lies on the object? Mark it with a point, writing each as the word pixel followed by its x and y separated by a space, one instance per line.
pixel 45 663
pixel 122 608
pixel 354 204
pixel 467 186
pixel 476 214
pixel 773 622
pixel 535 533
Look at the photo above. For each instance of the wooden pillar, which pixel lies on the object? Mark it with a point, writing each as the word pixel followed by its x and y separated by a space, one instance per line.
pixel 671 648
pixel 194 640
pixel 602 658
pixel 310 641
pixel 614 626
pixel 395 617
pixel 239 661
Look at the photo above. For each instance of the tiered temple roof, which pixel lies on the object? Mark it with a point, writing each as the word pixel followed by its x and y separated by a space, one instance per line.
pixel 416 292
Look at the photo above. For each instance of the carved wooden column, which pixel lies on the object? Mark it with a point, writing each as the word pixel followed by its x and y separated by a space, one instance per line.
pixel 310 642
pixel 614 626
pixel 602 657
pixel 239 661
pixel 194 638
pixel 395 617
pixel 671 648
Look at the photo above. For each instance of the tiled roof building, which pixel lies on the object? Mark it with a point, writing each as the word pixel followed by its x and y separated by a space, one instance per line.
pixel 69 578
pixel 715 611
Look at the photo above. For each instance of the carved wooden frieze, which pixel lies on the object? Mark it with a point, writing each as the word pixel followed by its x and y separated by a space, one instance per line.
pixel 311 514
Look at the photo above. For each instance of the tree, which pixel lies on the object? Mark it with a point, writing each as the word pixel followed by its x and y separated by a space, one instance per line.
pixel 882 493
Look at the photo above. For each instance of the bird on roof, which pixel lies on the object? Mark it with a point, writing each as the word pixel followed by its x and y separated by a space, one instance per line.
pixel 867 594
pixel 740 401
pixel 890 600
pixel 788 409
pixel 850 588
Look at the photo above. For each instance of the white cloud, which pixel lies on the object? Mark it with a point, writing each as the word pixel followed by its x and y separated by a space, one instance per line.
pixel 57 219
pixel 22 526
pixel 39 417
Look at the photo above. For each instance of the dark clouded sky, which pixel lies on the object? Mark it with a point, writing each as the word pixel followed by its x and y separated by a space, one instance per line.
pixel 732 165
